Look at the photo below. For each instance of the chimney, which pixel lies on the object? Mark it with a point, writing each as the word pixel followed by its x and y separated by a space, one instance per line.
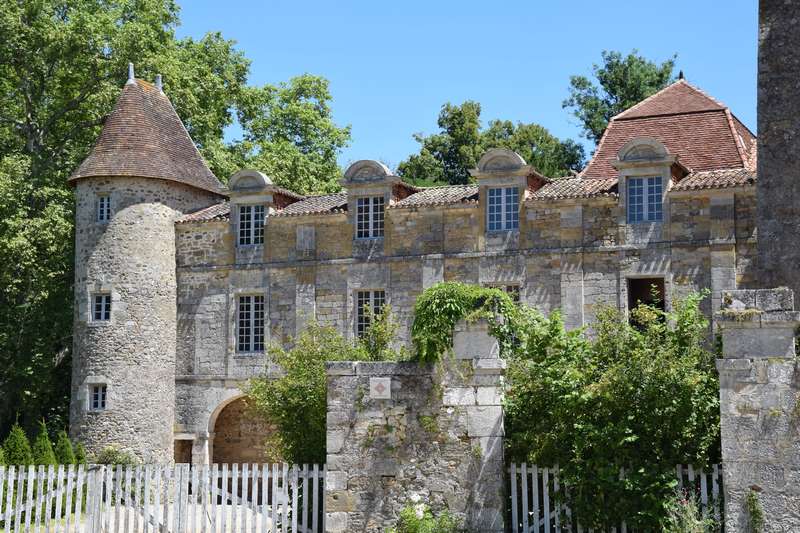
pixel 778 185
pixel 131 76
pixel 159 84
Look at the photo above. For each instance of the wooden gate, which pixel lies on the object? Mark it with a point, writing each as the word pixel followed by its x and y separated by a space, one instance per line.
pixel 257 498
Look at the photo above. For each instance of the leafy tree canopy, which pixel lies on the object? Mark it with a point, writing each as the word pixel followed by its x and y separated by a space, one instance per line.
pixel 446 157
pixel 619 83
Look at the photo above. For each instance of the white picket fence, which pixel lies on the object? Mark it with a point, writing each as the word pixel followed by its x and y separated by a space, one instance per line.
pixel 257 498
pixel 536 506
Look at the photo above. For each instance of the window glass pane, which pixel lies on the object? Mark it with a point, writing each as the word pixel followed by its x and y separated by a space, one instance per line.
pixel 245 224
pixel 101 307
pixel 244 324
pixel 258 323
pixel 377 216
pixel 362 319
pixel 512 208
pixel 654 199
pixel 258 224
pixel 103 208
pixel 98 398
pixel 635 200
pixel 362 218
pixel 494 211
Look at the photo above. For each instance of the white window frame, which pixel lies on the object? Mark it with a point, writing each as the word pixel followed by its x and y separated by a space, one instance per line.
pixel 375 299
pixel 98 397
pixel 502 209
pixel 103 208
pixel 250 324
pixel 370 217
pixel 100 306
pixel 250 225
pixel 649 192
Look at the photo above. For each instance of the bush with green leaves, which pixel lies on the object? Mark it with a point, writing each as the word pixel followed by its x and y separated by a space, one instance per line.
pixel 65 455
pixel 440 307
pixel 641 397
pixel 112 455
pixel 685 516
pixel 16 447
pixel 296 401
pixel 420 519
pixel 2 457
pixel 81 457
pixel 42 449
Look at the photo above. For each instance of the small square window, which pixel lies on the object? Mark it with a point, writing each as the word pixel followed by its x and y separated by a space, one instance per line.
pixel 97 397
pixel 101 307
pixel 103 208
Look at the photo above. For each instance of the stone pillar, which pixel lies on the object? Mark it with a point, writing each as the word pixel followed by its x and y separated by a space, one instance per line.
pixel 406 433
pixel 778 182
pixel 759 409
pixel 200 449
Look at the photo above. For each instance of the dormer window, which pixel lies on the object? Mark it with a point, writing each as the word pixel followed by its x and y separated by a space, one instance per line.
pixel 502 212
pixel 369 217
pixel 645 199
pixel 251 225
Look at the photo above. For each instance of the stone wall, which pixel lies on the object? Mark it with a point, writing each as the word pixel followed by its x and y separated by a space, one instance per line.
pixel 760 414
pixel 404 433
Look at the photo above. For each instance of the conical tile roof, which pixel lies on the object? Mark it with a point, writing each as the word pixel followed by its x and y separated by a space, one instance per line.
pixel 144 137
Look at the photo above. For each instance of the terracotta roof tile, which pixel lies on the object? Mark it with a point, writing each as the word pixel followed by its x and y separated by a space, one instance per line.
pixel 310 205
pixel 716 179
pixel 679 97
pixel 220 211
pixel 566 188
pixel 431 196
pixel 144 137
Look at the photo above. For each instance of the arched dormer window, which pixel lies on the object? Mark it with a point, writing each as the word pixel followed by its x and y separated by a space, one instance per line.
pixel 644 166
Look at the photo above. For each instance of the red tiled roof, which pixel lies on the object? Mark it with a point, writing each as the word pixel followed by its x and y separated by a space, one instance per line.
pixel 310 205
pixel 144 137
pixel 565 188
pixel 698 129
pixel 431 196
pixel 716 179
pixel 220 211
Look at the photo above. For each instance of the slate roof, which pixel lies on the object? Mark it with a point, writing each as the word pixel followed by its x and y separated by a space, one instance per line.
pixel 221 211
pixel 566 188
pixel 144 137
pixel 432 196
pixel 314 205
pixel 700 130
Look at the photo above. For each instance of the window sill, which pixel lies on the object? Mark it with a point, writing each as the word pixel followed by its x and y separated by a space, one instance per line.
pixel 367 239
pixel 98 323
pixel 249 246
pixel 249 354
pixel 502 232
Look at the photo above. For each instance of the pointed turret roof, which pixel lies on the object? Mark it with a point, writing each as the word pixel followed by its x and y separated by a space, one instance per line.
pixel 700 130
pixel 144 137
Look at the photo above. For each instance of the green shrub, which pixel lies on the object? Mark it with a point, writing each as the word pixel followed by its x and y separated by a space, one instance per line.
pixel 685 516
pixel 42 447
pixel 755 511
pixel 64 452
pixel 111 455
pixel 439 308
pixel 16 447
pixel 642 397
pixel 2 457
pixel 420 519
pixel 80 454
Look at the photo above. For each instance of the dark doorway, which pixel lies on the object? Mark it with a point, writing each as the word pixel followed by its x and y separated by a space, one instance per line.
pixel 648 291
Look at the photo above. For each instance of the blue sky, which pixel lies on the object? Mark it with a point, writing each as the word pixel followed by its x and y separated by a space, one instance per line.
pixel 393 64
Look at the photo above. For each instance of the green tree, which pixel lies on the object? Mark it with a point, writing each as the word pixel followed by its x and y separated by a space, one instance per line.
pixel 619 83
pixel 2 457
pixel 64 452
pixel 644 397
pixel 43 453
pixel 289 133
pixel 80 454
pixel 448 156
pixel 16 448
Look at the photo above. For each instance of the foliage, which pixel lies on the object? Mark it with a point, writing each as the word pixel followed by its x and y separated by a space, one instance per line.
pixel 448 156
pixel 16 448
pixel 42 447
pixel 296 400
pixel 64 452
pixel 643 398
pixel 111 455
pixel 80 454
pixel 440 307
pixel 420 519
pixel 290 134
pixel 755 511
pixel 619 83
pixel 376 341
pixel 62 65
pixel 2 457
pixel 685 516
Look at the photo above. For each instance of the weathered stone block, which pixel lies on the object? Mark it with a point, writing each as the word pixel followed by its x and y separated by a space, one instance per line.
pixel 484 421
pixel 459 396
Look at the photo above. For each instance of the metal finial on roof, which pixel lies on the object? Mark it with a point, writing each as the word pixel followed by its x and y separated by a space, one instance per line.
pixel 680 74
pixel 159 84
pixel 131 77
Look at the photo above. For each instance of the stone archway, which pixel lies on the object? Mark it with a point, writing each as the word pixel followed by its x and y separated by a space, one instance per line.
pixel 239 435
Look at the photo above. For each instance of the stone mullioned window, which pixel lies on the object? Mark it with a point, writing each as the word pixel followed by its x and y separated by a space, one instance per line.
pixel 367 300
pixel 502 213
pixel 251 225
pixel 369 217
pixel 101 307
pixel 645 203
pixel 250 324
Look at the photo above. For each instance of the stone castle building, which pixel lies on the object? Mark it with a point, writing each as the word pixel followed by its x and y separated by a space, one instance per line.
pixel 182 283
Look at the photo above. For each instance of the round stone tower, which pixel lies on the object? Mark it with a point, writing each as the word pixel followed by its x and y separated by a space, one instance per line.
pixel 142 174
